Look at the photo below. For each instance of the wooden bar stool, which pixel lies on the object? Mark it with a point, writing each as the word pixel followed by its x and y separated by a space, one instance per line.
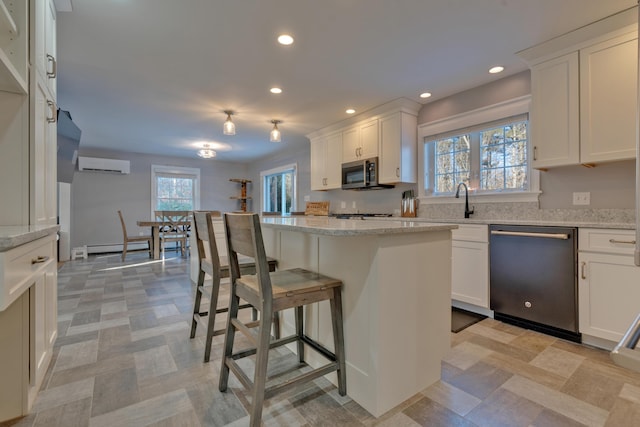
pixel 268 293
pixel 217 267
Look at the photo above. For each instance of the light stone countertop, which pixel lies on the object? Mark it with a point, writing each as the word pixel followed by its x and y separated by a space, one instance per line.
pixel 347 227
pixel 548 223
pixel 16 235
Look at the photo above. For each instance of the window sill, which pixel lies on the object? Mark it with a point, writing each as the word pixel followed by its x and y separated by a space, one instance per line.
pixel 515 197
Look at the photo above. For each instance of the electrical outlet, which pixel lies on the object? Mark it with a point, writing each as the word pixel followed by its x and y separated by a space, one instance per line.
pixel 307 198
pixel 353 205
pixel 582 198
pixel 343 205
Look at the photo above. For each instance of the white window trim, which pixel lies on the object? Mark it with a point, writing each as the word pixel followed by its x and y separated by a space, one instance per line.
pixel 490 113
pixel 280 169
pixel 179 170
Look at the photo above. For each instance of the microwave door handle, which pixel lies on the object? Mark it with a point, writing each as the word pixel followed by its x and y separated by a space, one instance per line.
pixel 367 175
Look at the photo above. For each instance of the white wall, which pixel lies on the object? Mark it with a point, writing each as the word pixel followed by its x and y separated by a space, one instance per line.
pixel 96 197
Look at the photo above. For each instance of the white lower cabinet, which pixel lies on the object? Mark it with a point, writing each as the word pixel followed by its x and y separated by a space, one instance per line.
pixel 609 284
pixel 470 265
pixel 28 322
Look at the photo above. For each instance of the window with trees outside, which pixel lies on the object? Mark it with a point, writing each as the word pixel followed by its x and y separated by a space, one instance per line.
pixel 175 188
pixel 279 189
pixel 488 159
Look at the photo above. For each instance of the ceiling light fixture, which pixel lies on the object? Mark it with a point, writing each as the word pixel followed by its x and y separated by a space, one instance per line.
pixel 425 95
pixel 496 69
pixel 206 152
pixel 229 128
pixel 285 39
pixel 275 135
pixel 350 111
pixel 275 90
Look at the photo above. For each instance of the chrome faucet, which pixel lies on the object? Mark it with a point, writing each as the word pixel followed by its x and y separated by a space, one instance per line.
pixel 467 212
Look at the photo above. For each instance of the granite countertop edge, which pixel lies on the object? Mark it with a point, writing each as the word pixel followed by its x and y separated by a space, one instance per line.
pixel 348 227
pixel 549 223
pixel 12 236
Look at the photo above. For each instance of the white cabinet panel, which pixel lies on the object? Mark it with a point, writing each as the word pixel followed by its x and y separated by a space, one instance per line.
pixel 470 273
pixel 326 165
pixel 554 120
pixel 398 148
pixel 608 97
pixel 609 283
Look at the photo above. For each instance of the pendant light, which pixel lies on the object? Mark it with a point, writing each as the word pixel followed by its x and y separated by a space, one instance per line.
pixel 275 135
pixel 206 152
pixel 229 128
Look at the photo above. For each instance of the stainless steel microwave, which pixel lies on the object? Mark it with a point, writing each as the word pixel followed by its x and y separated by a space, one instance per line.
pixel 362 175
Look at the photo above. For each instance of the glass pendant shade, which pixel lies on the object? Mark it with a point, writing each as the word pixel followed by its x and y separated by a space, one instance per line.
pixel 229 128
pixel 275 135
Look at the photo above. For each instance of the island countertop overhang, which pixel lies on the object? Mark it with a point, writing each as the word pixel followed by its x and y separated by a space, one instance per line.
pixel 351 227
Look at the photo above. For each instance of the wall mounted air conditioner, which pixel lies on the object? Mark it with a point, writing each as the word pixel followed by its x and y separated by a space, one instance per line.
pixel 95 164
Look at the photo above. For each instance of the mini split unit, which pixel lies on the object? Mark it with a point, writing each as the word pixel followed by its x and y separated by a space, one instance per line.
pixel 95 164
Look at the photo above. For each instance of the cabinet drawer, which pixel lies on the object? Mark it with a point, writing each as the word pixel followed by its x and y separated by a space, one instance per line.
pixel 471 233
pixel 606 240
pixel 19 265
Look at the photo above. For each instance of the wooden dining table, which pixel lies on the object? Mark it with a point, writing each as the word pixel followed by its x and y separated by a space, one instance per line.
pixel 155 232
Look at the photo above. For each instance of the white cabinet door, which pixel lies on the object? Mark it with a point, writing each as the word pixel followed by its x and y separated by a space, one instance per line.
pixel 351 144
pixel 369 139
pixel 608 97
pixel 554 116
pixel 333 161
pixel 44 43
pixel 398 147
pixel 609 291
pixel 43 162
pixel 470 265
pixel 51 306
pixel 318 158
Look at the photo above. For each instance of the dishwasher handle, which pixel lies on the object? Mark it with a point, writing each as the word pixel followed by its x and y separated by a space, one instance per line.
pixel 559 236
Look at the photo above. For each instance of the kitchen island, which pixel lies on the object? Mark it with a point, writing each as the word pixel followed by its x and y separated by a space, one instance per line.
pixel 396 298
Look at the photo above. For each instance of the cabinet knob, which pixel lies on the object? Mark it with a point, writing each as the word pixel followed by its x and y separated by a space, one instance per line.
pixel 527 304
pixel 54 67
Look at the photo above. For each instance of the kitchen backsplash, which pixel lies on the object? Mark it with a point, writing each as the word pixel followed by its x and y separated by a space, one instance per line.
pixel 525 211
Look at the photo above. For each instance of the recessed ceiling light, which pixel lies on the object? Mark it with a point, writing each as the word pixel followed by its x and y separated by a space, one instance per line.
pixel 275 90
pixel 425 95
pixel 496 69
pixel 285 39
pixel 350 111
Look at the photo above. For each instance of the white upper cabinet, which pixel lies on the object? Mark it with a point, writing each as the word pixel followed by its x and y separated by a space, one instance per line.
pixel 326 156
pixel 608 97
pixel 389 132
pixel 360 141
pixel 554 117
pixel 398 145
pixel 584 94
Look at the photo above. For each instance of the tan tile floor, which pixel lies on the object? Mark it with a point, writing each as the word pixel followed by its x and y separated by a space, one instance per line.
pixel 124 358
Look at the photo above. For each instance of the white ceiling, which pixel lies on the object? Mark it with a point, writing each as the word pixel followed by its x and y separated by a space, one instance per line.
pixel 153 76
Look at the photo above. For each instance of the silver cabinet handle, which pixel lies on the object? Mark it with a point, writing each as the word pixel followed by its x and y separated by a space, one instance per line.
pixel 397 172
pixel 54 67
pixel 624 242
pixel 52 109
pixel 561 236
pixel 535 153
pixel 39 259
pixel 582 270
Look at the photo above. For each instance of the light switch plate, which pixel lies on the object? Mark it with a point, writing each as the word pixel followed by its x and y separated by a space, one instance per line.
pixel 583 198
pixel 343 205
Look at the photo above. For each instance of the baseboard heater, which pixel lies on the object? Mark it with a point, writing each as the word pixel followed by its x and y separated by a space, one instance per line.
pixel 111 248
pixel 627 352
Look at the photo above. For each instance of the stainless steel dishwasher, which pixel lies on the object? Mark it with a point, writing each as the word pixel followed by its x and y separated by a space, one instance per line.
pixel 533 278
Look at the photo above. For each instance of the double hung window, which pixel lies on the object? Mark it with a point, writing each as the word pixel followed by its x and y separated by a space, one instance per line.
pixel 175 188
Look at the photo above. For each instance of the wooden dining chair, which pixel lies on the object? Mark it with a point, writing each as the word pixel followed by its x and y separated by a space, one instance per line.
pixel 172 230
pixel 215 264
pixel 269 292
pixel 133 239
